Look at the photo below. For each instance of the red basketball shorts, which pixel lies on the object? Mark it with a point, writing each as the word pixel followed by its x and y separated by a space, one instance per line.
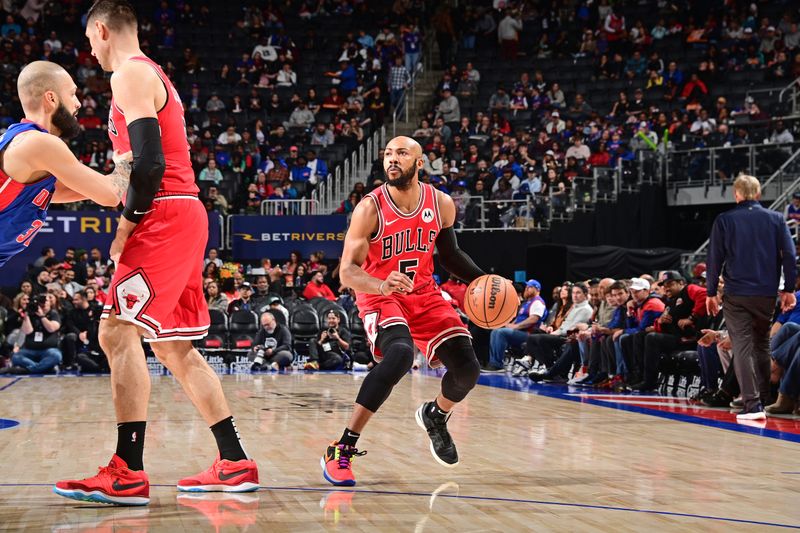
pixel 158 284
pixel 429 317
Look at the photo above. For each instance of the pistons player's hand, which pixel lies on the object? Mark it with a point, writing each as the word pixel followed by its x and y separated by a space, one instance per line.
pixel 396 282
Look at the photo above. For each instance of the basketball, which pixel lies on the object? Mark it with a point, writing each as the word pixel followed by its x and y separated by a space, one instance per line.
pixel 491 301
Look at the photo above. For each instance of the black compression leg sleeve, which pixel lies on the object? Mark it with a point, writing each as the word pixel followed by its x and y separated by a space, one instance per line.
pixel 462 365
pixel 398 355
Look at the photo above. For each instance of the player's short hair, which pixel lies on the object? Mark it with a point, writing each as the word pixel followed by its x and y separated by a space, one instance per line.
pixel 618 286
pixel 582 286
pixel 748 187
pixel 116 14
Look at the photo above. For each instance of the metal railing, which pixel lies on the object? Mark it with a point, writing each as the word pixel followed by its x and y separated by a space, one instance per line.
pixel 476 213
pixel 303 206
pixel 788 93
pixel 336 186
pixel 717 166
pixel 788 168
pixel 407 100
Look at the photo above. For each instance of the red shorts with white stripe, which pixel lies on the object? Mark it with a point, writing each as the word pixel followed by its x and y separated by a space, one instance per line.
pixel 158 284
pixel 429 317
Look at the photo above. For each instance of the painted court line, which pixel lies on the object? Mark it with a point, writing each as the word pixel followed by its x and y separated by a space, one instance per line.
pixel 496 499
pixel 7 385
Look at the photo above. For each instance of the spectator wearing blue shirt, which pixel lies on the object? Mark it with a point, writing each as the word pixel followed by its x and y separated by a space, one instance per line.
pixel 532 314
pixel 749 247
pixel 411 48
pixel 347 76
pixel 319 170
pixel 10 26
pixel 300 170
pixel 365 39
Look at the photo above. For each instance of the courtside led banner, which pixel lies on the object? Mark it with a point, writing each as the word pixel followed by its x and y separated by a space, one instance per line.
pixel 275 237
pixel 78 229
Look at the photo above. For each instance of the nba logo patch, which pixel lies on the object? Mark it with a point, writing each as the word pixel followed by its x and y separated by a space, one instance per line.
pixel 427 215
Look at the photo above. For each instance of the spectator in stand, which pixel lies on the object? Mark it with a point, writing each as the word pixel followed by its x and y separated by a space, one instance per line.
pixel 330 351
pixel 272 347
pixel 286 76
pixel 508 34
pixel 217 200
pixel 411 47
pixel 211 173
pixel 229 137
pixel 80 336
pixel 448 109
pixel 47 253
pixel 578 150
pixel 319 170
pixel 643 309
pixel 678 326
pixel 754 245
pixel 322 135
pixel 792 212
pixel 301 117
pixel 215 104
pixel 39 353
pixel 215 299
pixel 530 317
pixel 543 348
pixel 499 100
pixel 317 288
pixel 244 302
pixel 399 79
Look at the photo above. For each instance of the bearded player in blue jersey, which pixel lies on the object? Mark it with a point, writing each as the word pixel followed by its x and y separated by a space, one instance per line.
pixel 36 165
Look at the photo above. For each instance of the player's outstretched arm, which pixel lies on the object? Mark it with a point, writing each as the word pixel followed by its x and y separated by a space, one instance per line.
pixel 452 258
pixel 356 247
pixel 76 181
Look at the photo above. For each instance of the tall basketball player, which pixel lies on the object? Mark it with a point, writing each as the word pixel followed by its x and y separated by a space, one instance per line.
pixel 37 167
pixel 388 261
pixel 157 289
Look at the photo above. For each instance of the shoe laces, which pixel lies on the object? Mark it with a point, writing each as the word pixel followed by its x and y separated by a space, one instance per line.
pixel 109 471
pixel 346 454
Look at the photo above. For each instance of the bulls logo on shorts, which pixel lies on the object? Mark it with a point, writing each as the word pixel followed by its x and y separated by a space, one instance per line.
pixel 427 215
pixel 132 295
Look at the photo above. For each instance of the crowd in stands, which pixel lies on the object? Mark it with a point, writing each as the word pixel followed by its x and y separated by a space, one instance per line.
pixel 643 335
pixel 666 84
pixel 273 98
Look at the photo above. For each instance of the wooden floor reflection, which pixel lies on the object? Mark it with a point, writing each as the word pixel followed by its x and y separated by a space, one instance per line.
pixel 528 462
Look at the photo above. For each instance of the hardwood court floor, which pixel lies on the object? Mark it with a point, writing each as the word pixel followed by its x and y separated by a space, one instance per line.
pixel 528 462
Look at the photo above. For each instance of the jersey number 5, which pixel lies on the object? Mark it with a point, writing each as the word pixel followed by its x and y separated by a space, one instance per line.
pixel 408 267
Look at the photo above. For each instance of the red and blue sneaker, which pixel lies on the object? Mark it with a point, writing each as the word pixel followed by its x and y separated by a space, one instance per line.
pixel 337 464
pixel 114 484
pixel 224 476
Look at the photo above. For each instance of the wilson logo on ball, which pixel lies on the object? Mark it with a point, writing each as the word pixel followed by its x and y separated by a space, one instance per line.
pixel 494 291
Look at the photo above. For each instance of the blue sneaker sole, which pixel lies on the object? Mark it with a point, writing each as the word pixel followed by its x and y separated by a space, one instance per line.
pixel 97 497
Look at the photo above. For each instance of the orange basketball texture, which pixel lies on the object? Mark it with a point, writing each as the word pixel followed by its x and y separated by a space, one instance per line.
pixel 491 301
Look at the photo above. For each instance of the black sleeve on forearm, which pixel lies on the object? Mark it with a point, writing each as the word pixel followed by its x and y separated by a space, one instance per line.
pixel 453 259
pixel 148 167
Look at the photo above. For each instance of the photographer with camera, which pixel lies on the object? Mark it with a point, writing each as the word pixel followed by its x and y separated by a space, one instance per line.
pixel 80 346
pixel 272 347
pixel 329 352
pixel 39 352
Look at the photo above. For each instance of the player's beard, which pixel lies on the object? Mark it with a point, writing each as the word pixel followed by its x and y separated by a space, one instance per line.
pixel 404 181
pixel 66 123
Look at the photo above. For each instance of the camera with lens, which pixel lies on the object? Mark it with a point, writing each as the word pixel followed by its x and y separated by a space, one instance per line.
pixel 331 332
pixel 37 302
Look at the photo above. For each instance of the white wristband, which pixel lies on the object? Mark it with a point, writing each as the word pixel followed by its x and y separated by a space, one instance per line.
pixel 380 288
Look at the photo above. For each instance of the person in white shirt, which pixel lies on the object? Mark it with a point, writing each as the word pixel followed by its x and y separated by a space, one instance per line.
pixel 508 34
pixel 286 76
pixel 578 150
pixel 547 348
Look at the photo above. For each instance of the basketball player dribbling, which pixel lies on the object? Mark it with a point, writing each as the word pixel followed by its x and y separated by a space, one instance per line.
pixel 157 289
pixel 388 261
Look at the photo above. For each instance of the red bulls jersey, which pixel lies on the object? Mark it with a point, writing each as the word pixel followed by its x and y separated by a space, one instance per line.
pixel 405 242
pixel 179 176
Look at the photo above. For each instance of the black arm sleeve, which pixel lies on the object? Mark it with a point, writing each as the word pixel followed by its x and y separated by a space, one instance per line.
pixel 148 167
pixel 453 259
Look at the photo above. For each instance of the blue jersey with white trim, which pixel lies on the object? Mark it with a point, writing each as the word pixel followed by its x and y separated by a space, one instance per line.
pixel 23 206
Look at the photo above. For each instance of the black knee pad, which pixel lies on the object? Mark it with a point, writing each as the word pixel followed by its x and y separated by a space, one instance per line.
pixel 397 349
pixel 463 369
